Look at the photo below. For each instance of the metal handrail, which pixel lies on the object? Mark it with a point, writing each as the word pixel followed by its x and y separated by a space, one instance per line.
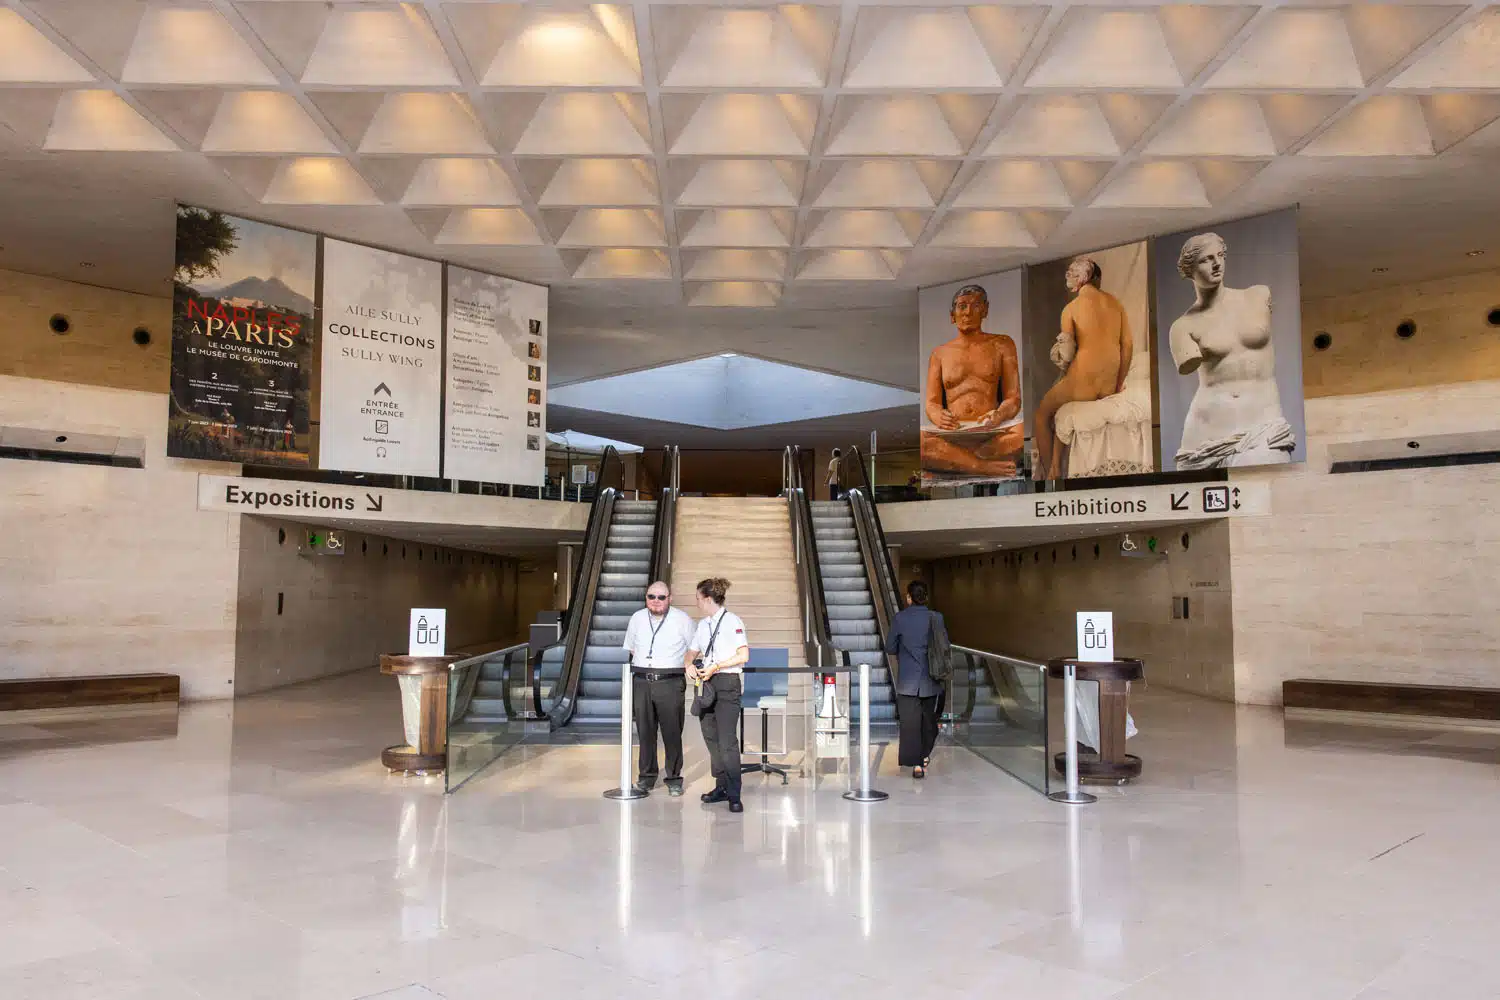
pixel 461 695
pixel 666 514
pixel 586 586
pixel 885 588
pixel 1003 685
pixel 817 635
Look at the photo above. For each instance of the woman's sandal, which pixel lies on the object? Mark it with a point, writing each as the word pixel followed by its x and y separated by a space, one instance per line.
pixel 919 772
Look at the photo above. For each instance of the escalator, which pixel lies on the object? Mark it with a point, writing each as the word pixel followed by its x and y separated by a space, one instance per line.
pixel 627 545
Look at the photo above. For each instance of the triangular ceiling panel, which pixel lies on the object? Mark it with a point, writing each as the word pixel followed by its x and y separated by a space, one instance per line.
pixel 585 124
pixel 1387 125
pixel 1452 118
pixel 1015 184
pixel 102 32
pixel 883 184
pixel 867 228
pixel 622 264
pixel 1100 49
pixel 377 46
pixel 1196 33
pixel 1216 125
pixel 735 227
pixel 734 265
pixel 187 47
pixel 1056 126
pixel 425 124
pixel 1383 34
pixel 1162 184
pixel 739 124
pixel 101 120
pixel 188 111
pixel 263 121
pixel 979 46
pixel 515 45
pixel 610 227
pixel 769 183
pixel 984 229
pixel 850 265
pixel 1468 58
pixel 318 181
pixel 1292 116
pixel 460 181
pixel 31 57
pixel 738 294
pixel 726 47
pixel 592 182
pixel 1294 49
pixel 907 125
pixel 1223 177
pixel 489 227
pixel 290 30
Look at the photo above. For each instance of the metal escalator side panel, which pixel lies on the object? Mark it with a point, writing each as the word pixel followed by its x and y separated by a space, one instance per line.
pixel 591 565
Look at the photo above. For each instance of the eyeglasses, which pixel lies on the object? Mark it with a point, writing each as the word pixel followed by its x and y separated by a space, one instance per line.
pixel 656 597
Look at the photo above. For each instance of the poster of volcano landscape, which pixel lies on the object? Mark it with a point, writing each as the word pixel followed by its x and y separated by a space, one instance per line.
pixel 242 341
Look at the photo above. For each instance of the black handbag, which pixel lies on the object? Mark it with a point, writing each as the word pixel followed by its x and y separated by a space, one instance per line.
pixel 703 700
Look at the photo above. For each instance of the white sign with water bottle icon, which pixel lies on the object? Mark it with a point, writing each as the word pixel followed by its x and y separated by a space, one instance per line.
pixel 1096 636
pixel 429 628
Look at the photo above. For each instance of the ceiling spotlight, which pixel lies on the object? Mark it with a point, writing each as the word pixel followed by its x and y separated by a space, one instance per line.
pixel 1379 270
pixel 1471 253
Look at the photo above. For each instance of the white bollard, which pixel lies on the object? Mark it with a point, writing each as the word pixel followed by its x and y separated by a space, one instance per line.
pixel 1070 795
pixel 627 790
pixel 864 793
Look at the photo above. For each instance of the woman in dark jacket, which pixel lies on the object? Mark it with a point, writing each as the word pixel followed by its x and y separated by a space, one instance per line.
pixel 916 692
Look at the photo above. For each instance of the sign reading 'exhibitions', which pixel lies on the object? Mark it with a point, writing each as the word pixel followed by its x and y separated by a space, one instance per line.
pixel 242 340
pixel 382 361
pixel 494 424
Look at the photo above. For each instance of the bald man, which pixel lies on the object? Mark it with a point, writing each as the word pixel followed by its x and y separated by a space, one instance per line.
pixel 973 396
pixel 657 640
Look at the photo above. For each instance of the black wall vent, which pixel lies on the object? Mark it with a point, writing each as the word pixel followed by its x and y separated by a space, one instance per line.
pixel 1417 460
pixel 31 444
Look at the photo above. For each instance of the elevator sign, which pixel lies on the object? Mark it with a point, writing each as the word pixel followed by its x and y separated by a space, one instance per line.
pixel 1096 636
pixel 428 628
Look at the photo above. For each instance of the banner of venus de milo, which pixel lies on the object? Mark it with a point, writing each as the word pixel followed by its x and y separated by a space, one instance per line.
pixel 1229 353
pixel 382 379
pixel 973 428
pixel 242 340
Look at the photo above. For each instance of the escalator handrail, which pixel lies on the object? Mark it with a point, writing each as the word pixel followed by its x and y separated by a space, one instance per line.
pixel 809 574
pixel 885 588
pixel 666 516
pixel 990 662
pixel 867 490
pixel 585 585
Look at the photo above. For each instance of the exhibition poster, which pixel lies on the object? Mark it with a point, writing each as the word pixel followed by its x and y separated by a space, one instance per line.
pixel 496 356
pixel 242 340
pixel 1228 306
pixel 973 425
pixel 1088 393
pixel 382 377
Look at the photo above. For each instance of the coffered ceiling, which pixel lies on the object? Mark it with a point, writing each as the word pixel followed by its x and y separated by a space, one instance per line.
pixel 711 155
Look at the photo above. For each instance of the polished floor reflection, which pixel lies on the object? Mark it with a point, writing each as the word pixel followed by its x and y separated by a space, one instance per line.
pixel 263 852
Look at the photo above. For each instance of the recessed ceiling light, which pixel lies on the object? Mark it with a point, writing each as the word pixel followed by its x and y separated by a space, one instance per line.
pixel 1471 253
pixel 1379 270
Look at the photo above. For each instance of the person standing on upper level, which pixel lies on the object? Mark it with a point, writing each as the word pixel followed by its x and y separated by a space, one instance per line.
pixel 657 638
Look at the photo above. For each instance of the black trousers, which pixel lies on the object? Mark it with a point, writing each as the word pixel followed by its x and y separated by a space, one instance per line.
pixel 721 733
pixel 919 728
pixel 659 704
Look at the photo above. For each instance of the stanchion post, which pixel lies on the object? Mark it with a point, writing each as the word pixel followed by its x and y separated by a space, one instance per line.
pixel 1071 795
pixel 864 793
pixel 628 789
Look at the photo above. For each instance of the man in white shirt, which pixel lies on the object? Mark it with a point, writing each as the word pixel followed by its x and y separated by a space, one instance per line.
pixel 657 639
pixel 715 662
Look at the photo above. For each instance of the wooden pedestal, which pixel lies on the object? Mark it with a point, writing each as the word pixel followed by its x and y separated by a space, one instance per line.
pixel 1111 764
pixel 430 755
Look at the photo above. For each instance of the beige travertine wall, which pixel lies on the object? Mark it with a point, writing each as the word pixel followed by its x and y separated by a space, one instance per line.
pixel 1454 340
pixel 107 570
pixel 98 349
pixel 1024 603
pixel 339 613
pixel 1378 576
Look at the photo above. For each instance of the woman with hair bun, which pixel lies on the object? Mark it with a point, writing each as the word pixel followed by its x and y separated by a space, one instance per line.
pixel 719 651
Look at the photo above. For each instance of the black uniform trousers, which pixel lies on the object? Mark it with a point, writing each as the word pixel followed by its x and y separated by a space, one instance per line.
pixel 659 704
pixel 919 728
pixel 721 733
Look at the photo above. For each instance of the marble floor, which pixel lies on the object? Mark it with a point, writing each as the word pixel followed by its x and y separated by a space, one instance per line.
pixel 260 851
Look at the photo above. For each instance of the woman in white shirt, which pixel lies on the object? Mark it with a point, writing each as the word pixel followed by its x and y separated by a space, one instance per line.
pixel 719 650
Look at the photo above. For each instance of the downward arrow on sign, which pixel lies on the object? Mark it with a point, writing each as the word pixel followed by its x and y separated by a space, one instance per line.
pixel 375 505
pixel 1180 502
